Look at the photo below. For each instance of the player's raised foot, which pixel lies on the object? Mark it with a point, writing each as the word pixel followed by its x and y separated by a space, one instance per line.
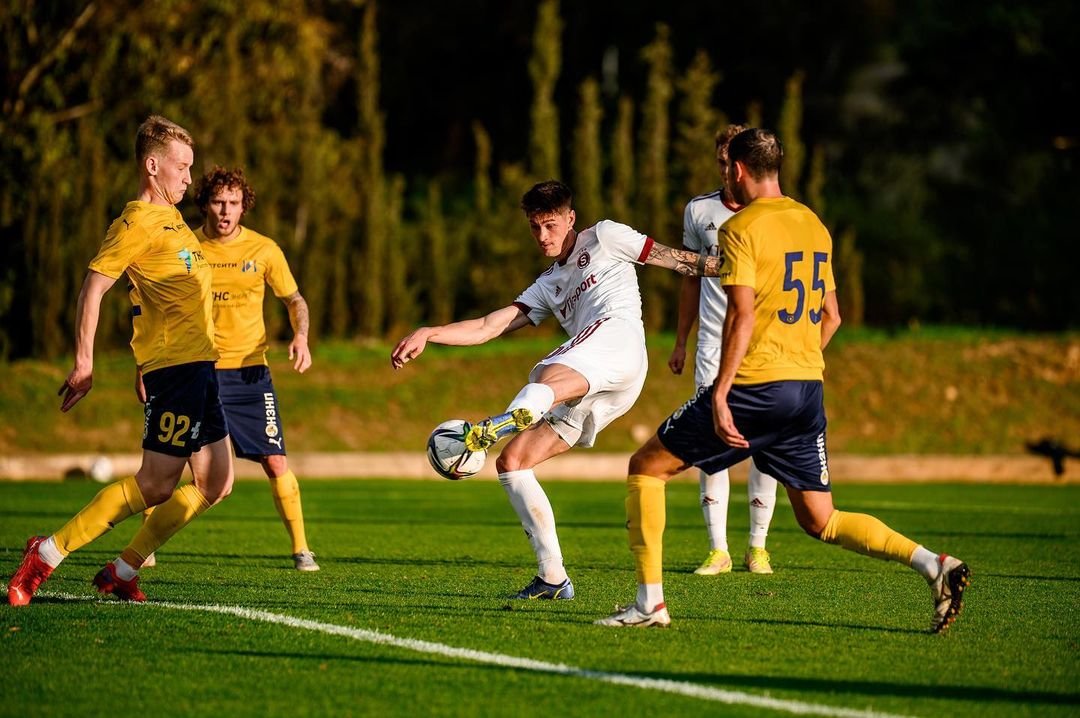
pixel 150 562
pixel 107 581
pixel 31 573
pixel 539 588
pixel 718 561
pixel 757 560
pixel 481 436
pixel 948 591
pixel 634 617
pixel 305 561
pixel 485 434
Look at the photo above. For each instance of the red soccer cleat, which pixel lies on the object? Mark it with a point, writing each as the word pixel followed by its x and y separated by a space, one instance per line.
pixel 107 581
pixel 32 573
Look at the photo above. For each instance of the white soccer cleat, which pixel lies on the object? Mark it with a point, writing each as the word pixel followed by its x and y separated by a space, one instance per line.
pixel 633 617
pixel 305 561
pixel 948 591
pixel 718 561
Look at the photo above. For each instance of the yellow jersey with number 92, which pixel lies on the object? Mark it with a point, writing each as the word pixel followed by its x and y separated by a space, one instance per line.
pixel 780 249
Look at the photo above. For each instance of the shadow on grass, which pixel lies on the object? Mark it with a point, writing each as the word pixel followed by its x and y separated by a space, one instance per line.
pixel 766 685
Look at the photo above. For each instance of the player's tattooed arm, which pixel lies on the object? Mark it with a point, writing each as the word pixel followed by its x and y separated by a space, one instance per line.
pixel 688 264
pixel 299 316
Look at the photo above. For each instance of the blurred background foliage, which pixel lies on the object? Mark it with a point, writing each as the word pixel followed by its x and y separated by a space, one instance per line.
pixel 389 144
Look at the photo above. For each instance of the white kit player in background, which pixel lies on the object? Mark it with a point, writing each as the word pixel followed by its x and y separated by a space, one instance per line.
pixel 706 301
pixel 584 384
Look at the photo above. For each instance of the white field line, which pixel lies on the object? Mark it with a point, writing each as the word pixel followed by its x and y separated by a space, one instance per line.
pixel 691 690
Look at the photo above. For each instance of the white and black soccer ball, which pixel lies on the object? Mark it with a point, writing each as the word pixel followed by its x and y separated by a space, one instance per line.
pixel 447 453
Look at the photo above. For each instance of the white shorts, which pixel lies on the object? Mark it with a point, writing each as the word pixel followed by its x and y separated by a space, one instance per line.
pixel 611 355
pixel 706 364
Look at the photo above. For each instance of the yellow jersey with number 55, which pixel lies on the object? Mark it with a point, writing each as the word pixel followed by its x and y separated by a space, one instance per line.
pixel 170 294
pixel 780 249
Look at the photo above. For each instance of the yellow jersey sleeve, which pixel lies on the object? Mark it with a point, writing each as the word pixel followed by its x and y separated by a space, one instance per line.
pixel 278 274
pixel 739 266
pixel 124 243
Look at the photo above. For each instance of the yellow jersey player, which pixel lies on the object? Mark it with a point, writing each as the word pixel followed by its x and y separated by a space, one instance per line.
pixel 173 343
pixel 244 262
pixel 767 400
pixel 703 216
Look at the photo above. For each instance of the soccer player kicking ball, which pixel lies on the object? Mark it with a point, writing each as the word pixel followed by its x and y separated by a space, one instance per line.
pixel 173 344
pixel 243 263
pixel 702 218
pixel 767 400
pixel 584 384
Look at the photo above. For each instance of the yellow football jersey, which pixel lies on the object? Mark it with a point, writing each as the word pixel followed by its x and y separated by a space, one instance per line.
pixel 170 285
pixel 242 267
pixel 782 250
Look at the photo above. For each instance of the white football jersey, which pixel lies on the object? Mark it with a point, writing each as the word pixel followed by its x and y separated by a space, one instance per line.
pixel 702 218
pixel 598 280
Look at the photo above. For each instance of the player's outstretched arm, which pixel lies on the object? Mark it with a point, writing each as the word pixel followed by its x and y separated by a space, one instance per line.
pixel 464 333
pixel 830 318
pixel 87 311
pixel 299 318
pixel 688 264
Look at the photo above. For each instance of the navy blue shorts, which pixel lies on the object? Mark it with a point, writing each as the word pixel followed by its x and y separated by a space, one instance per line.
pixel 251 409
pixel 183 410
pixel 784 421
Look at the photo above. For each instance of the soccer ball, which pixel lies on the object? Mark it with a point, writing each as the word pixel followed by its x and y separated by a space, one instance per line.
pixel 101 469
pixel 447 453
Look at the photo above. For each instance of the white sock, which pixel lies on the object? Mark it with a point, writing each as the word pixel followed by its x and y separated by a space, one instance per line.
pixel 534 510
pixel 649 596
pixel 715 489
pixel 762 493
pixel 926 562
pixel 537 398
pixel 48 552
pixel 124 570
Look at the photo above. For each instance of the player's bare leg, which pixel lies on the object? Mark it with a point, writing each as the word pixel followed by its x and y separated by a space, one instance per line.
pixel 515 465
pixel 948 576
pixel 286 492
pixel 555 384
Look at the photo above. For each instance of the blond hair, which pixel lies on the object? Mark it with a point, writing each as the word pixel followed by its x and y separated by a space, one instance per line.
pixel 155 134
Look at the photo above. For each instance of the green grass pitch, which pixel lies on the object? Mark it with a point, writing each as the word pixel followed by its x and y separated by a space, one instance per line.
pixel 434 561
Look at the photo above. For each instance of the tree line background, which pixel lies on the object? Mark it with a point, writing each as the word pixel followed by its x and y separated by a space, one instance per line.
pixel 389 144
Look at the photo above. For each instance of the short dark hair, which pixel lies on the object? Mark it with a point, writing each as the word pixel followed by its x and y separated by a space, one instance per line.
pixel 547 198
pixel 219 179
pixel 759 150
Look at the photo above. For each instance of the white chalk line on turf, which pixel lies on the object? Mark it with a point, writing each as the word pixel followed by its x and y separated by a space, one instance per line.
pixel 692 690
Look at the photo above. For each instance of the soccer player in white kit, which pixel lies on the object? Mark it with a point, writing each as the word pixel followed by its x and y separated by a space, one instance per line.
pixel 702 218
pixel 584 384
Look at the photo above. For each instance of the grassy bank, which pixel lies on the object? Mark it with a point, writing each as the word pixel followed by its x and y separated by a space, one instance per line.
pixel 928 391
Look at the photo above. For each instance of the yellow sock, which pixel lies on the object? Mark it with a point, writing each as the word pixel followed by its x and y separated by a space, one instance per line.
pixel 113 504
pixel 867 535
pixel 183 506
pixel 646 514
pixel 286 492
